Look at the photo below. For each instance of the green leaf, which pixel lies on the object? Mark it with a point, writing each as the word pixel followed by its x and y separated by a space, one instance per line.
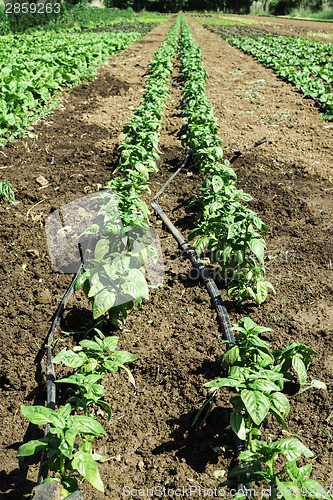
pixel 256 403
pixel 223 382
pixel 32 447
pixel 95 285
pixel 316 384
pixel 123 357
pixel 103 302
pixel 226 253
pixel 217 183
pixel 298 473
pixel 280 402
pixel 87 467
pixel 230 356
pixel 300 369
pixel 110 343
pixel 90 344
pixel 264 385
pixel 200 244
pixel 233 230
pixel 314 489
pixel 80 280
pixel 279 418
pixel 138 281
pixel 64 411
pixel 237 423
pixel 106 407
pixel 250 325
pixel 153 253
pixel 87 425
pixel 288 490
pixel 40 415
pixel 70 358
pixel 247 468
pixel 292 449
pixel 102 248
pixel 70 436
pixel 261 292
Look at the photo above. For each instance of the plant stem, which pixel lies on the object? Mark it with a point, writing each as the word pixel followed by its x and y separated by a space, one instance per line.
pixel 62 466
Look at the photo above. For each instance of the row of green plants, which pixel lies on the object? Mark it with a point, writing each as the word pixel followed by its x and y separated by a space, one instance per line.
pixel 115 278
pixel 226 227
pixel 306 63
pixel 115 273
pixel 68 443
pixel 259 377
pixel 34 68
pixel 121 27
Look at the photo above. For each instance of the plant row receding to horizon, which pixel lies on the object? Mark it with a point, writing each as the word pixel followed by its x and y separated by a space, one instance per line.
pixel 114 279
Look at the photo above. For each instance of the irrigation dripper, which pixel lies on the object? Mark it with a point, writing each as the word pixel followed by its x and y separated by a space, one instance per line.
pixel 238 152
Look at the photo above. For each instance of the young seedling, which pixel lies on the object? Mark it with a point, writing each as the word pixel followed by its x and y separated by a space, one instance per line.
pixel 90 391
pixel 97 356
pixel 67 444
pixel 7 192
pixel 293 483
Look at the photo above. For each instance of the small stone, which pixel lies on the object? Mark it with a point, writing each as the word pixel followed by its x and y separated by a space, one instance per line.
pixel 42 181
pixel 32 252
pixel 121 137
pixel 44 296
pixel 47 491
pixel 141 466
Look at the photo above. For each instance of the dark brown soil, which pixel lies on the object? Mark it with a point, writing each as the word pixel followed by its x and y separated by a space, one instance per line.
pixel 175 335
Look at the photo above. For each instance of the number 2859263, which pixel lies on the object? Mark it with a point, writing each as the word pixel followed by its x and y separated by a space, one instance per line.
pixel 32 8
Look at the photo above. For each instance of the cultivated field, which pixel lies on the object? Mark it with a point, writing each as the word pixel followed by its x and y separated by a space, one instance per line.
pixel 175 336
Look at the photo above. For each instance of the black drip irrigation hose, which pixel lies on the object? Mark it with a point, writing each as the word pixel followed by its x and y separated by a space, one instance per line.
pixel 238 152
pixel 203 271
pixel 210 284
pixel 50 376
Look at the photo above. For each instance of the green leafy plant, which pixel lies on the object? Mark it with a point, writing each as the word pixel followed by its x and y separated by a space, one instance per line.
pixel 62 60
pixel 249 349
pixel 115 277
pixel 97 356
pixel 296 356
pixel 306 63
pixel 258 375
pixel 90 391
pixel 258 393
pixel 291 483
pixel 7 192
pixel 226 227
pixel 67 445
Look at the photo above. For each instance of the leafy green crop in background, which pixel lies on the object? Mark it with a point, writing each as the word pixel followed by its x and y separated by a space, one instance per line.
pixel 306 63
pixel 33 68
